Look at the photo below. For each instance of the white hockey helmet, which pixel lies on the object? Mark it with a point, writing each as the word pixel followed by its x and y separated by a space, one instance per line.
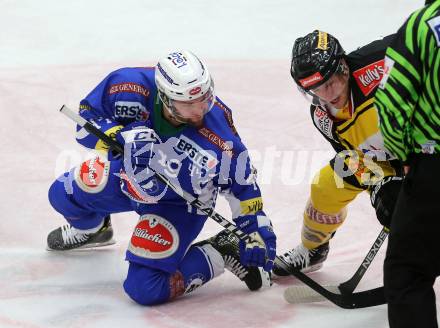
pixel 181 76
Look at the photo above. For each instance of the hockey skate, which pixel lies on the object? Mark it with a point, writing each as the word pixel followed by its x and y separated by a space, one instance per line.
pixel 67 237
pixel 302 259
pixel 227 245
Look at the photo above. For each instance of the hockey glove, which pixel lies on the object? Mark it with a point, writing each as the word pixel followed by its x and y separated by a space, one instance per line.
pixel 384 197
pixel 261 251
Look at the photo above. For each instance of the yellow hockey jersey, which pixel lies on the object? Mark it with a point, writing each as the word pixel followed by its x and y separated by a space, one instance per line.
pixel 354 131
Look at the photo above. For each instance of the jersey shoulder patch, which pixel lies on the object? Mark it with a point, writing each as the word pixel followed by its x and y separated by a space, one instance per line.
pixel 129 80
pixel 92 175
pixel 434 24
pixel 217 140
pixel 323 122
pixel 227 114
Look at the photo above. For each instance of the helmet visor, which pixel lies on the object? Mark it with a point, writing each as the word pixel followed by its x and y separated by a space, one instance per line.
pixel 333 92
pixel 193 111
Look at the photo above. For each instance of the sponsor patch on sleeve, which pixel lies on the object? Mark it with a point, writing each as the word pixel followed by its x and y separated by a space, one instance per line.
pixel 154 238
pixel 434 24
pixel 251 206
pixel 84 107
pixel 217 140
pixel 92 175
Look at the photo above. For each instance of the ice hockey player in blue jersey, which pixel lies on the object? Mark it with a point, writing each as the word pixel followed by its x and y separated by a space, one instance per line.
pixel 169 121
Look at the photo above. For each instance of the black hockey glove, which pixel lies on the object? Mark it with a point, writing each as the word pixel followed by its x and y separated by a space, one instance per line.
pixel 384 197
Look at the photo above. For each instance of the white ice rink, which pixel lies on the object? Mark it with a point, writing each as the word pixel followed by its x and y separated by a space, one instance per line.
pixel 54 52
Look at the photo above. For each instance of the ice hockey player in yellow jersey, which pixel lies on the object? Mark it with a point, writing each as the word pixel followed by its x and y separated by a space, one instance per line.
pixel 341 90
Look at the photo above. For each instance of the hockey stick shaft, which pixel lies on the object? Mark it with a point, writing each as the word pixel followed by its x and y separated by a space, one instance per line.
pixel 349 303
pixel 350 285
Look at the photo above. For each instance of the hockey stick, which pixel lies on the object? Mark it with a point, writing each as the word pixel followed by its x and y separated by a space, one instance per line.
pixel 349 301
pixel 350 285
pixel 299 294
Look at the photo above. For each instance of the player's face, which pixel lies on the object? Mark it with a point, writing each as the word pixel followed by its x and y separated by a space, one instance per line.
pixel 193 111
pixel 336 90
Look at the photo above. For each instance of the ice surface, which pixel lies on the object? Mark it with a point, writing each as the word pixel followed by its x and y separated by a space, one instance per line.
pixel 55 52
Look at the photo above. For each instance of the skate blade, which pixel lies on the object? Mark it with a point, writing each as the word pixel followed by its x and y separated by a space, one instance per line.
pixel 312 268
pixel 84 247
pixel 266 280
pixel 307 270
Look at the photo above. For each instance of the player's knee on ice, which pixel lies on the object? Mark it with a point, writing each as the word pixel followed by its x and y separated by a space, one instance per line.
pixel 147 286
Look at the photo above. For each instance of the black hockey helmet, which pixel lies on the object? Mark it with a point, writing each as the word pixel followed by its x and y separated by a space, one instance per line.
pixel 315 57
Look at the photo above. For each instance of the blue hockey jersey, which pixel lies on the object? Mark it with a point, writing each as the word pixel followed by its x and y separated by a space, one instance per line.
pixel 211 158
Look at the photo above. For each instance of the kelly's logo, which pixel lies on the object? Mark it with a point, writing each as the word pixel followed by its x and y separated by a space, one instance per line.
pixel 368 77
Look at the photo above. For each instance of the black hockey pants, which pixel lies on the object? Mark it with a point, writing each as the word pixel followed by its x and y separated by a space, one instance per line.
pixel 412 261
